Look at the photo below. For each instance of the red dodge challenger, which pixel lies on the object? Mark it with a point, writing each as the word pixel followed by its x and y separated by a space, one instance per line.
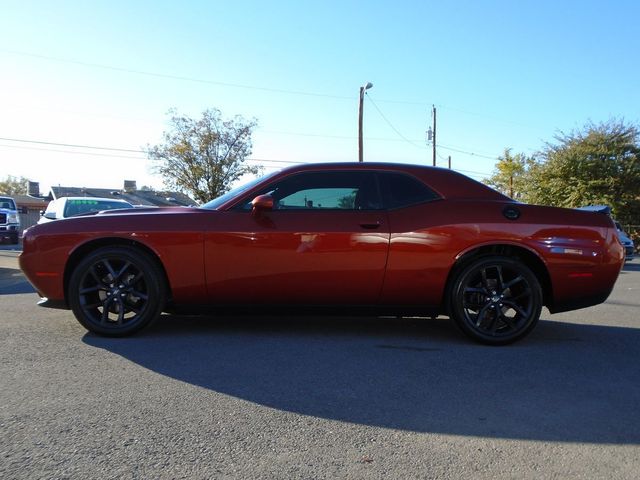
pixel 379 238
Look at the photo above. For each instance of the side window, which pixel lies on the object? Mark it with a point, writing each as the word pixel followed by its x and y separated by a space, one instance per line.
pixel 342 190
pixel 323 197
pixel 400 190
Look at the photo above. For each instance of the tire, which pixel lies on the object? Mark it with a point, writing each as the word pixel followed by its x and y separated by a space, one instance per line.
pixel 496 300
pixel 117 291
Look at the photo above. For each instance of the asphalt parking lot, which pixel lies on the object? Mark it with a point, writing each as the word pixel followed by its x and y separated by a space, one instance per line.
pixel 269 397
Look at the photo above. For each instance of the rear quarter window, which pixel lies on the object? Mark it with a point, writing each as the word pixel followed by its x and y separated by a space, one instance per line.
pixel 401 190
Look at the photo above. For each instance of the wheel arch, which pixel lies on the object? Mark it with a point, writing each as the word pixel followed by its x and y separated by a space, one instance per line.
pixel 530 258
pixel 86 248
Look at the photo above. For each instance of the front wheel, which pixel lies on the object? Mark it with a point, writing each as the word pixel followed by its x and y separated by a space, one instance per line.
pixel 116 291
pixel 496 300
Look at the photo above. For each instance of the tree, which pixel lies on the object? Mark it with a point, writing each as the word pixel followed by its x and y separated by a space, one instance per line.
pixel 204 157
pixel 599 165
pixel 510 174
pixel 14 185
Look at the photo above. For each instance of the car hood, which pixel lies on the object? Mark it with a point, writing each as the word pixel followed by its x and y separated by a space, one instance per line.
pixel 143 210
pixel 126 220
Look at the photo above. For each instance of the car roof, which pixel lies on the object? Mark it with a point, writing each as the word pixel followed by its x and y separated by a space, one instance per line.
pixel 99 199
pixel 448 183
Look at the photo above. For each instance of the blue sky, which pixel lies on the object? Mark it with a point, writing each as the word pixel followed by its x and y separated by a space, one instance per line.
pixel 501 74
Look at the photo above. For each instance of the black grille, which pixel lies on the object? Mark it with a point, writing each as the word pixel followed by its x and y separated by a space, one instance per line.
pixel 3 218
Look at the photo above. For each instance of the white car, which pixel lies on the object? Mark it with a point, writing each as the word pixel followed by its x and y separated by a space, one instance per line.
pixel 65 207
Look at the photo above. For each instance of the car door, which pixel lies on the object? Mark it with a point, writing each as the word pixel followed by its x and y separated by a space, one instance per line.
pixel 419 250
pixel 324 242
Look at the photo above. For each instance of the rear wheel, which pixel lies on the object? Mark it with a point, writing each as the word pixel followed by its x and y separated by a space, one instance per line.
pixel 116 291
pixel 496 300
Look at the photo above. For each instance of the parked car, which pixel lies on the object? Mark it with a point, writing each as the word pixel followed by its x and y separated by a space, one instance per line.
pixel 627 243
pixel 65 207
pixel 9 220
pixel 348 237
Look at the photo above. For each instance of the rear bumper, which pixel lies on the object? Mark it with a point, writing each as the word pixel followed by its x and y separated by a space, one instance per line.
pixel 579 302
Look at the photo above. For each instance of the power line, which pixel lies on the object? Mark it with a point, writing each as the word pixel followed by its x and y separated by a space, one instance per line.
pixel 289 162
pixel 453 149
pixel 258 160
pixel 421 147
pixel 40 142
pixel 75 152
pixel 175 77
pixel 140 151
pixel 391 125
pixel 248 87
pixel 472 171
pixel 23 147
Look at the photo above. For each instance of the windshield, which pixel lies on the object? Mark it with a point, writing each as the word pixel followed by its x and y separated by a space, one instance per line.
pixel 7 203
pixel 216 202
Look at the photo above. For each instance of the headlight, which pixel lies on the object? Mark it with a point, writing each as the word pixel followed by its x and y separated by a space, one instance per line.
pixel 13 218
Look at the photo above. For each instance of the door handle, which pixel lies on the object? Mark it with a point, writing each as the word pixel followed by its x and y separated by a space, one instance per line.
pixel 371 225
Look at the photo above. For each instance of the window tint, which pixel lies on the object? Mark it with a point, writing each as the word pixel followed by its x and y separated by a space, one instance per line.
pixel 400 190
pixel 323 190
pixel 337 197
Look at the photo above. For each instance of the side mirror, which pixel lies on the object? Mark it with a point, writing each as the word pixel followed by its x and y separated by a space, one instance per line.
pixel 262 203
pixel 50 215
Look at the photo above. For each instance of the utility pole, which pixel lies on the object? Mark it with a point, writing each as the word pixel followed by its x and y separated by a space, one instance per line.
pixel 431 134
pixel 449 162
pixel 363 89
pixel 434 135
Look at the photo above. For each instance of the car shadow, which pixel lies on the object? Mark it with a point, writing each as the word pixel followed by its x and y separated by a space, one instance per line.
pixel 565 382
pixel 13 282
pixel 630 267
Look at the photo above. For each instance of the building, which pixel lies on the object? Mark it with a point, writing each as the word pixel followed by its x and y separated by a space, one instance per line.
pixel 30 206
pixel 129 193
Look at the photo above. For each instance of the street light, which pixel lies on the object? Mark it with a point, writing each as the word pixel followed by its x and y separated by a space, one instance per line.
pixel 362 90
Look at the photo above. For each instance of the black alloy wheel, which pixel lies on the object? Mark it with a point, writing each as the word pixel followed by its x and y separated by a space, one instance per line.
pixel 496 300
pixel 116 291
